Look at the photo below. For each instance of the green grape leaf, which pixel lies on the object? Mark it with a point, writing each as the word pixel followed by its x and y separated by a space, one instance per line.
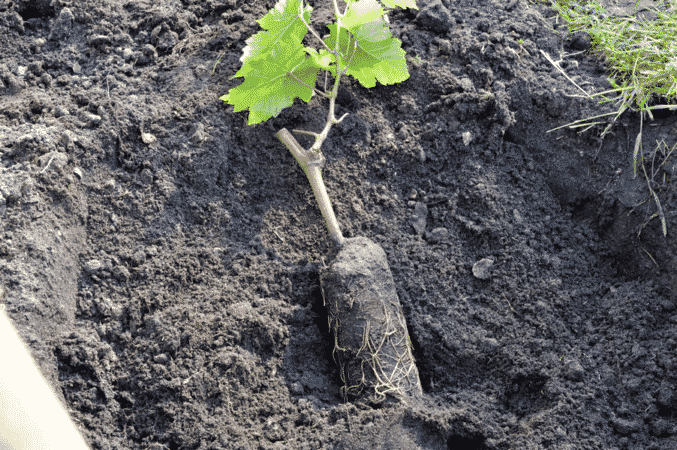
pixel 322 59
pixel 281 24
pixel 268 88
pixel 373 53
pixel 362 12
pixel 401 3
pixel 276 69
pixel 391 3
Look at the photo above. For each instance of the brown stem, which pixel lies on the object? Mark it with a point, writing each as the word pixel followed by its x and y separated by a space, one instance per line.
pixel 312 164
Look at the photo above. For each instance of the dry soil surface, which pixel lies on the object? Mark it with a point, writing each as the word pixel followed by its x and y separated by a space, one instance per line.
pixel 162 258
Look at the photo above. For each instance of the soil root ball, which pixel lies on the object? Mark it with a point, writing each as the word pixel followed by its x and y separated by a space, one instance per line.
pixel 371 341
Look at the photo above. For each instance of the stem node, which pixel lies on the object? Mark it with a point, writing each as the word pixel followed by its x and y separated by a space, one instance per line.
pixel 312 163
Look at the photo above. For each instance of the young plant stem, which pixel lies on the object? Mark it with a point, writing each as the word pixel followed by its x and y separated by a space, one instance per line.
pixel 312 164
pixel 311 160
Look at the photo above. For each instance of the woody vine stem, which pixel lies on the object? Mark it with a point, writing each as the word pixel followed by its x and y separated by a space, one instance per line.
pixel 312 160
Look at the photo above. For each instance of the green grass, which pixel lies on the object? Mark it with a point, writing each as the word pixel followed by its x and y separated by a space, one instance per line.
pixel 640 55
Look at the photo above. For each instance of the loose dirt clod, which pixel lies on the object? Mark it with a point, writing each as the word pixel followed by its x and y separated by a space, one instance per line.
pixel 371 341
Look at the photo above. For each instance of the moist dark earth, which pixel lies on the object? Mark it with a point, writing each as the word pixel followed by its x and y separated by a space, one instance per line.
pixel 162 259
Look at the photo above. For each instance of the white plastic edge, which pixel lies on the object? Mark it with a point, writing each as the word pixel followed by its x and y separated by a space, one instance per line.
pixel 31 417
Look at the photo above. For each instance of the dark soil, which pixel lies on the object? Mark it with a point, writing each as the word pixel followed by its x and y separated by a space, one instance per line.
pixel 162 259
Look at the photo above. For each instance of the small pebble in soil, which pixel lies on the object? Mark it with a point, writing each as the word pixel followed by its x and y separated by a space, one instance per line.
pixel 148 138
pixel 437 235
pixel 481 268
pixel 467 138
pixel 37 44
pixel 92 266
pixel 575 371
pixel 91 119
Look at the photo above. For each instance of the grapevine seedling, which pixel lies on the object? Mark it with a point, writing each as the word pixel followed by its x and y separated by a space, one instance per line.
pixel 277 68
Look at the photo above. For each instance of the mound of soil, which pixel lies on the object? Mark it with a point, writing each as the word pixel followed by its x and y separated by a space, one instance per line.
pixel 162 259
